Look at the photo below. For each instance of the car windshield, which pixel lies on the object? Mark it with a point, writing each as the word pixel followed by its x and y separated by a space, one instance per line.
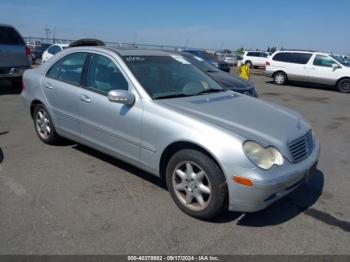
pixel 201 64
pixel 170 76
pixel 344 61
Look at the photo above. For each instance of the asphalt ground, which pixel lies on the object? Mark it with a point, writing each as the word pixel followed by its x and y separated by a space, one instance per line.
pixel 71 199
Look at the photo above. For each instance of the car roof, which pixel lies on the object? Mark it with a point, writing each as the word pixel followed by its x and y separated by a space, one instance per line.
pixel 302 51
pixel 62 45
pixel 5 25
pixel 126 51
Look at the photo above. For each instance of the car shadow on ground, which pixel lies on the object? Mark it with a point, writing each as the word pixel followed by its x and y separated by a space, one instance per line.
pixel 1 155
pixel 6 88
pixel 305 86
pixel 283 210
pixel 121 164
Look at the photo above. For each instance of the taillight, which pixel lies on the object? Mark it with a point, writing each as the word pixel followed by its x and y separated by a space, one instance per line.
pixel 28 51
pixel 267 63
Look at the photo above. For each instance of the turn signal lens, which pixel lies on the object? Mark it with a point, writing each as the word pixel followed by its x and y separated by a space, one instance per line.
pixel 243 181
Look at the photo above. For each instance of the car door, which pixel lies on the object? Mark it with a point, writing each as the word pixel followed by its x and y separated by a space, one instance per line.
pixel 105 124
pixel 322 72
pixel 62 87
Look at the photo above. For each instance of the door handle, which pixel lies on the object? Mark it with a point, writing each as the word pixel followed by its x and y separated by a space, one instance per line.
pixel 48 86
pixel 85 98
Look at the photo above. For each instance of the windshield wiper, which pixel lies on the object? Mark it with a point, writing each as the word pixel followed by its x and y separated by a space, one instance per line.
pixel 172 96
pixel 211 71
pixel 211 90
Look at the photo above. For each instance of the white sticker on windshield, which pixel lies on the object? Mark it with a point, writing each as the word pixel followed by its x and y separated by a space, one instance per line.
pixel 198 58
pixel 180 59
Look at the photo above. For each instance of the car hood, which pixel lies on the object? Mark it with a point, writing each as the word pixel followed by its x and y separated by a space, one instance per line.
pixel 249 118
pixel 231 82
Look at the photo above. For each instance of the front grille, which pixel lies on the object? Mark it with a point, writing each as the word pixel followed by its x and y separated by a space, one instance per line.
pixel 302 147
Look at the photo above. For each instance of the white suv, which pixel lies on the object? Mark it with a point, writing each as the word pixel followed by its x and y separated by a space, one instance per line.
pixel 312 67
pixel 255 58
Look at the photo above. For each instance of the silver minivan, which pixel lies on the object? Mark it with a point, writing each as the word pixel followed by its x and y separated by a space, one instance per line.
pixel 15 56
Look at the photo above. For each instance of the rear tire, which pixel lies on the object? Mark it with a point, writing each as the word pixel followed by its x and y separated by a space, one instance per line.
pixel 280 78
pixel 343 85
pixel 44 126
pixel 196 184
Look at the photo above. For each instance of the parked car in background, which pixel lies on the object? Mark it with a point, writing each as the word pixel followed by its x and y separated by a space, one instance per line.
pixel 15 56
pixel 52 50
pixel 37 52
pixel 228 80
pixel 211 59
pixel 231 59
pixel 215 148
pixel 308 66
pixel 255 58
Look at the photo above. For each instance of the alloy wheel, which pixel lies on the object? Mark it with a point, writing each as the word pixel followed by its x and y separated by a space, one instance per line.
pixel 192 186
pixel 43 125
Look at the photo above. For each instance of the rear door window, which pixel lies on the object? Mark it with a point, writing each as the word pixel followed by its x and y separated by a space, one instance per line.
pixel 69 69
pixel 295 58
pixel 9 36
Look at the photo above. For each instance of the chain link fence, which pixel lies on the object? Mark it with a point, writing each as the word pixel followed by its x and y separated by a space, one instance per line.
pixel 37 41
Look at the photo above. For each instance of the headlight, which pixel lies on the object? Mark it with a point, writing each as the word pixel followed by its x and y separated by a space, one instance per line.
pixel 264 158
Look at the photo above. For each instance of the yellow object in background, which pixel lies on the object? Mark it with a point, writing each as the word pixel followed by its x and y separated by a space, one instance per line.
pixel 244 72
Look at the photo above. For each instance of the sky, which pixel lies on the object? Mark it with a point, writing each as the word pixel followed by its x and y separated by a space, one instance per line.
pixel 322 25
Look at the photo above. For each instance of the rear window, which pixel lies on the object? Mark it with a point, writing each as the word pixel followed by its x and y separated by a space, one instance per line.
pixel 295 58
pixel 9 36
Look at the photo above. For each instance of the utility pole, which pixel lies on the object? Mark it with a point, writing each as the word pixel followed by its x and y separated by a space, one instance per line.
pixel 186 42
pixel 48 33
pixel 54 35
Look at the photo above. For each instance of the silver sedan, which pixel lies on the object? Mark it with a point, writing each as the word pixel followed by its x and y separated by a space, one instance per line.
pixel 215 148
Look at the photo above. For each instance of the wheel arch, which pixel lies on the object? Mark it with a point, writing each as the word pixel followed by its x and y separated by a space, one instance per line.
pixel 175 147
pixel 279 71
pixel 33 104
pixel 342 78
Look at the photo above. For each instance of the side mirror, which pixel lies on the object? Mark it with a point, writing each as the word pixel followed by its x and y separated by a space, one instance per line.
pixel 335 66
pixel 121 97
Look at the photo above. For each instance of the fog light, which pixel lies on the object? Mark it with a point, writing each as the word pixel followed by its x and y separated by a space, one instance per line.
pixel 243 181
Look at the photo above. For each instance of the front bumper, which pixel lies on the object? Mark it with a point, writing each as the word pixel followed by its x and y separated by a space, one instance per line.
pixel 11 72
pixel 265 192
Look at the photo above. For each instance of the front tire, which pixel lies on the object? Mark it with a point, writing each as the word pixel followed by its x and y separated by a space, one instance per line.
pixel 249 64
pixel 44 126
pixel 196 184
pixel 343 85
pixel 280 78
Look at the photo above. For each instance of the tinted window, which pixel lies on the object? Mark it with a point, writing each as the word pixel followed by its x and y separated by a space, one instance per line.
pixel 69 68
pixel 104 76
pixel 9 36
pixel 321 60
pixel 54 70
pixel 252 54
pixel 54 49
pixel 296 58
pixel 263 55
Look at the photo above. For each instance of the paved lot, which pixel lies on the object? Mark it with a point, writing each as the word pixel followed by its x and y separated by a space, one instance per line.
pixel 73 200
